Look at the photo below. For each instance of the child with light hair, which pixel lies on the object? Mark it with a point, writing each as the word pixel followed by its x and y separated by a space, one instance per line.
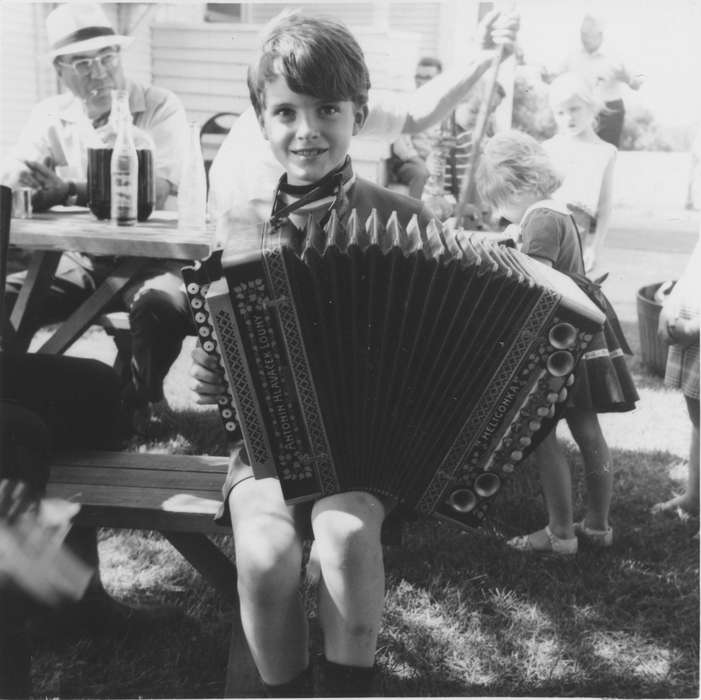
pixel 585 161
pixel 679 328
pixel 518 180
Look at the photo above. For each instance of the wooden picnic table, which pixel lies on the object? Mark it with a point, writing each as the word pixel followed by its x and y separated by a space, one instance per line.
pixel 49 234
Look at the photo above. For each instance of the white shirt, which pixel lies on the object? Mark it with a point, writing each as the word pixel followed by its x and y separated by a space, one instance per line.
pixel 244 173
pixel 582 165
pixel 59 128
pixel 604 72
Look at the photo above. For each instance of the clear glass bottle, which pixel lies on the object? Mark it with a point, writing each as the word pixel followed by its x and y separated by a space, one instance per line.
pixel 192 189
pixel 124 165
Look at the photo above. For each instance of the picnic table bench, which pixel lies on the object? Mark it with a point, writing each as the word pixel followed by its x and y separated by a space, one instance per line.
pixel 177 495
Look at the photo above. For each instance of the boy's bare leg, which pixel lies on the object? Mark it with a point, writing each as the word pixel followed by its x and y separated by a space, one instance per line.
pixel 347 530
pixel 269 562
pixel 598 469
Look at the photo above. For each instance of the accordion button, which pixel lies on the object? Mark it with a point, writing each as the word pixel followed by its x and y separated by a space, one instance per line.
pixel 208 346
pixel 543 411
pixel 525 441
pixel 204 332
pixel 196 303
pixel 200 317
pixel 516 455
pixel 562 396
pixel 230 426
pixel 507 467
pixel 534 425
pixel 570 380
pixel 193 288
pixel 551 397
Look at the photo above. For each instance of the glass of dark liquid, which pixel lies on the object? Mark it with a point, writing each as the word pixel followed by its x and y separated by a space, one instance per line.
pixel 99 183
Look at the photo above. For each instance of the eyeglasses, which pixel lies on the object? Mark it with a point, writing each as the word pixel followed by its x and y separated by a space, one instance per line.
pixel 83 66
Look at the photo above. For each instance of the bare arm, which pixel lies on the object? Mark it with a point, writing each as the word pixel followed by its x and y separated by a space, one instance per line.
pixel 433 101
pixel 603 215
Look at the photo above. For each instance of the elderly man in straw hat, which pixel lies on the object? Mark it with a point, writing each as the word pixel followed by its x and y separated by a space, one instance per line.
pixel 51 157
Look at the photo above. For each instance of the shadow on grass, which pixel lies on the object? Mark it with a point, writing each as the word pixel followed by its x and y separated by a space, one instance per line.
pixel 181 657
pixel 487 620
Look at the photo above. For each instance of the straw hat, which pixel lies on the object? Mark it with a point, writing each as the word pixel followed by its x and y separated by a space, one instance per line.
pixel 78 27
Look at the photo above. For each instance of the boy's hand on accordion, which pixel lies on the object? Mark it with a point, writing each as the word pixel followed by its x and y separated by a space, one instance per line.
pixel 207 377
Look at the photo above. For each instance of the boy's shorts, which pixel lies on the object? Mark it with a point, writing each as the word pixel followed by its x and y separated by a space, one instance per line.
pixel 240 470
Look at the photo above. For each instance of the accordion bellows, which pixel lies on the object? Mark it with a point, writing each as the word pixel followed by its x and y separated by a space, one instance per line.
pixel 416 364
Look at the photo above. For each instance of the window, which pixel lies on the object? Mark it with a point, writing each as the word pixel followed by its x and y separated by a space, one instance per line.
pixel 222 12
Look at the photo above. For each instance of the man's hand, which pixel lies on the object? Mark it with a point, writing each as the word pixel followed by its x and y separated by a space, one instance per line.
pixel 499 29
pixel 207 381
pixel 50 189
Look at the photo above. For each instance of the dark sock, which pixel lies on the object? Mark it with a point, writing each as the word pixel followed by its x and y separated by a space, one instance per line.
pixel 300 686
pixel 341 681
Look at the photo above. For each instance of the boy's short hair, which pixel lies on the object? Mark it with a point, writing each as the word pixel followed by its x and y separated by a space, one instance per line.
pixel 316 56
pixel 514 163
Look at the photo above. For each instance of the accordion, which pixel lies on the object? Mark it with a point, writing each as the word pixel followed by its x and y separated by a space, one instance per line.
pixel 409 362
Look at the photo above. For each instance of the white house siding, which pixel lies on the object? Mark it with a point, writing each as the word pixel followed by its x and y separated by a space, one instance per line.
pixel 356 14
pixel 26 74
pixel 422 19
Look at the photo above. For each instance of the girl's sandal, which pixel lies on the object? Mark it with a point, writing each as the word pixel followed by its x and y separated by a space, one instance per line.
pixel 553 545
pixel 594 538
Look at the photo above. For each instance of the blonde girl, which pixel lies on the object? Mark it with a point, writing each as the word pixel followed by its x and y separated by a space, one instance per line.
pixel 517 179
pixel 584 160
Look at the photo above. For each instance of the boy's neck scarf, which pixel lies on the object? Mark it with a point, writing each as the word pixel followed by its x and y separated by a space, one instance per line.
pixel 328 192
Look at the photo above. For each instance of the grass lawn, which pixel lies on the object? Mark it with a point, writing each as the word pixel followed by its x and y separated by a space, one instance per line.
pixel 464 615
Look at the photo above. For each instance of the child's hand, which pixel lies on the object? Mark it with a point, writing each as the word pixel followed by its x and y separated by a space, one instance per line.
pixel 499 29
pixel 678 331
pixel 207 382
